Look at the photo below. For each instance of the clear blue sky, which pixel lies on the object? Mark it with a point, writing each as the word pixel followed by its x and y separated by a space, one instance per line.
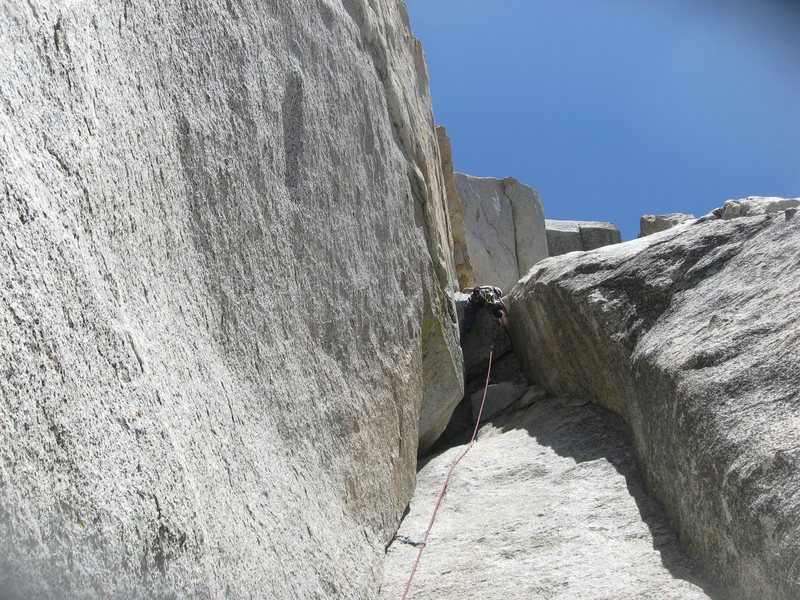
pixel 616 108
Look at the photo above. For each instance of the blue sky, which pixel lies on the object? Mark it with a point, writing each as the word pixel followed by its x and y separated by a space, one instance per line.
pixel 616 108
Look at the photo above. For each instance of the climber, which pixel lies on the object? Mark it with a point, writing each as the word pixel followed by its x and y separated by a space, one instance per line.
pixel 480 296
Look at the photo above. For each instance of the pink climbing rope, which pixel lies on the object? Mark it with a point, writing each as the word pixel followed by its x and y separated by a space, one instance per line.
pixel 422 544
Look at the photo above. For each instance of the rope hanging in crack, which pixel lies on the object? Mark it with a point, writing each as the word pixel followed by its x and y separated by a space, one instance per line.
pixel 423 544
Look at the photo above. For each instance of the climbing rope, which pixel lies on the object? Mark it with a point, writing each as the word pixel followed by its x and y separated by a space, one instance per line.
pixel 423 544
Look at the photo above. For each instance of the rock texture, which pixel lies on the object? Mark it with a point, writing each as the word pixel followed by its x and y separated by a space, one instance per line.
pixel 504 223
pixel 455 210
pixel 650 224
pixel 226 287
pixel 499 396
pixel 548 505
pixel 755 205
pixel 571 236
pixel 692 335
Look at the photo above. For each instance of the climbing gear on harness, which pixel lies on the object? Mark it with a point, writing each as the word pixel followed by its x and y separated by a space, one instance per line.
pixel 424 542
pixel 404 539
pixel 482 296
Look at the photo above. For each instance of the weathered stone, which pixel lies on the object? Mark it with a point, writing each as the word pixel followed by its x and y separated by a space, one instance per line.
pixel 596 235
pixel 506 368
pixel 226 281
pixel 563 237
pixel 650 224
pixel 756 205
pixel 530 239
pixel 464 272
pixel 571 236
pixel 504 224
pixel 533 395
pixel 692 336
pixel 499 396
pixel 548 504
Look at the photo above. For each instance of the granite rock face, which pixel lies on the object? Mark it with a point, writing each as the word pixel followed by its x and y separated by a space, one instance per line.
pixel 548 504
pixel 455 210
pixel 227 286
pixel 692 336
pixel 650 224
pixel 504 223
pixel 571 236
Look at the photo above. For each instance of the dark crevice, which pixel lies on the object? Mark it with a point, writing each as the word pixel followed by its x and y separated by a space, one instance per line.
pixel 475 345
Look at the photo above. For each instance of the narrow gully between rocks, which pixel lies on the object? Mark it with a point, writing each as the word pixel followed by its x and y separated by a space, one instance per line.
pixel 549 503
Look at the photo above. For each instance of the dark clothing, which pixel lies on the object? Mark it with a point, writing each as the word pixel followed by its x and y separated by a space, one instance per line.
pixel 496 308
pixel 469 320
pixel 479 298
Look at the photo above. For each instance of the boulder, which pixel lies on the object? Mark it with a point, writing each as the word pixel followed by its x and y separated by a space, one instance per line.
pixel 531 396
pixel 227 290
pixel 504 225
pixel 756 205
pixel 691 336
pixel 499 396
pixel 549 503
pixel 563 237
pixel 650 224
pixel 571 236
pixel 504 368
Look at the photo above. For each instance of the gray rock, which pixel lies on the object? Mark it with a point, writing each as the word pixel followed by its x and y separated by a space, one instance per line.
pixel 548 504
pixel 504 225
pixel 756 205
pixel 563 237
pixel 226 281
pixel 650 224
pixel 529 231
pixel 455 210
pixel 596 235
pixel 692 336
pixel 507 368
pixel 499 396
pixel 530 397
pixel 572 236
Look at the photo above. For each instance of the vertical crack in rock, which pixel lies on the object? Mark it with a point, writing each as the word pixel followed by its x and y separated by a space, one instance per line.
pixel 515 234
pixel 294 128
pixel 409 112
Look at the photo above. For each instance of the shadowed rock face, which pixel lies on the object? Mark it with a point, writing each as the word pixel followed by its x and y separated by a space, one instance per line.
pixel 692 336
pixel 226 280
